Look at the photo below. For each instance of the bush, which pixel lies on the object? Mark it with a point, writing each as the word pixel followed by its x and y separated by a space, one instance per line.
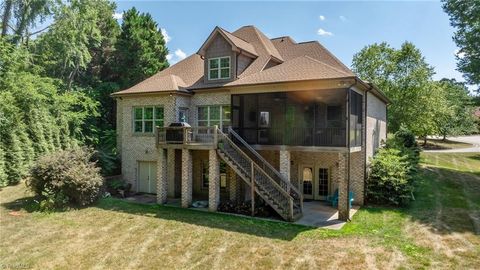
pixel 66 177
pixel 390 179
pixel 405 138
pixel 393 170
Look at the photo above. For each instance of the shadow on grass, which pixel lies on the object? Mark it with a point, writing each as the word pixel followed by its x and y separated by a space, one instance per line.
pixel 257 227
pixel 475 157
pixel 446 200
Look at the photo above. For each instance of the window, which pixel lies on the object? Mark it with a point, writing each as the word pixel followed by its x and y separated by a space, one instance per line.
pixel 219 68
pixel 307 181
pixel 223 175
pixel 145 119
pixel 323 182
pixel 214 115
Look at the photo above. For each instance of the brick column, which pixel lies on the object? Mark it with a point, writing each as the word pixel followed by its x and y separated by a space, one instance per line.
pixel 285 163
pixel 342 187
pixel 162 180
pixel 171 172
pixel 213 180
pixel 186 178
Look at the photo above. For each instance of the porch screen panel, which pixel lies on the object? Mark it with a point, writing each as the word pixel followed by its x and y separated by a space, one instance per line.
pixel 355 125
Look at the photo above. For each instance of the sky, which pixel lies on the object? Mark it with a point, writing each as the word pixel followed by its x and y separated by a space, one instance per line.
pixel 342 27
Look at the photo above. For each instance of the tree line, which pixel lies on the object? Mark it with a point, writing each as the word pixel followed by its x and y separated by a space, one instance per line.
pixel 59 63
pixel 418 103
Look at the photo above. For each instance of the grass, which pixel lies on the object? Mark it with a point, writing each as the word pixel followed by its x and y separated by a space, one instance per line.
pixel 438 230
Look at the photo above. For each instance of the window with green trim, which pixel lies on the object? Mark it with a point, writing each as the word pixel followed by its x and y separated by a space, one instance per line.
pixel 214 115
pixel 219 68
pixel 145 119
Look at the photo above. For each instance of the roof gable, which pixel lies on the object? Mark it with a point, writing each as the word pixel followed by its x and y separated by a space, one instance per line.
pixel 237 43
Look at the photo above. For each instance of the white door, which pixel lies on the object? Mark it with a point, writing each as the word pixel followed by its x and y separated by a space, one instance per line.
pixel 147 177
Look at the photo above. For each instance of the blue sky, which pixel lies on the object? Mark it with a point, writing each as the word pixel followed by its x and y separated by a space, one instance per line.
pixel 343 27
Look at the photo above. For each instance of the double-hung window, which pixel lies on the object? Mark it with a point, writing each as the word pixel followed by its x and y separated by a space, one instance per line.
pixel 214 115
pixel 145 119
pixel 219 68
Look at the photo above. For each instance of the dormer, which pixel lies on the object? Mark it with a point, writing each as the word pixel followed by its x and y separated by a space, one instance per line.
pixel 225 56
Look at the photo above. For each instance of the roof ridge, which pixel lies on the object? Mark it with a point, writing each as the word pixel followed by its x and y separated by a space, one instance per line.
pixel 233 34
pixel 259 34
pixel 282 37
pixel 329 53
pixel 325 64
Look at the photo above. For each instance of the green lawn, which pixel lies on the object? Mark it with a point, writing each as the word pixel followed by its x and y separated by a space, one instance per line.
pixel 439 230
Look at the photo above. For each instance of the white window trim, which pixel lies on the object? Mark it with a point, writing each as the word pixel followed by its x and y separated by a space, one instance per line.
pixel 154 119
pixel 220 68
pixel 208 120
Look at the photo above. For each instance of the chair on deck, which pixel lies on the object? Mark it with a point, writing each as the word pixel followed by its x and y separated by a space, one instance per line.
pixel 334 198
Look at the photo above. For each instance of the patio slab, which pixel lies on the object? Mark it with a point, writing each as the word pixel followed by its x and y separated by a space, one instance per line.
pixel 322 215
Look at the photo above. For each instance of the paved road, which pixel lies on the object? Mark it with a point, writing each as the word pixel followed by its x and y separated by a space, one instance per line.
pixel 473 139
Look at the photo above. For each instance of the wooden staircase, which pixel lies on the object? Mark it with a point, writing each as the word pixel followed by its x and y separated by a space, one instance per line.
pixel 260 175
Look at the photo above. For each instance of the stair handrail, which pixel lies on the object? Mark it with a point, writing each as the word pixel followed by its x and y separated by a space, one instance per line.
pixel 265 162
pixel 256 165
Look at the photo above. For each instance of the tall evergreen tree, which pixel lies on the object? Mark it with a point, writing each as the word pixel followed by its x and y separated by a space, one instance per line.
pixel 141 50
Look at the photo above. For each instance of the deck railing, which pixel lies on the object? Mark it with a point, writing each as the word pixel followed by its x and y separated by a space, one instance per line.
pixel 187 135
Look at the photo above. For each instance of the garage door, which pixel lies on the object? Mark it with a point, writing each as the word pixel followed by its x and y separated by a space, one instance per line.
pixel 147 177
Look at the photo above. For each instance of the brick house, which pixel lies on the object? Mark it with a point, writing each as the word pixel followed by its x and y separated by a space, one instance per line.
pixel 269 119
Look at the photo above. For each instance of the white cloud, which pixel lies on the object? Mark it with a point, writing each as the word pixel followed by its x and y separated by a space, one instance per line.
pixel 322 32
pixel 180 54
pixel 459 54
pixel 117 15
pixel 169 56
pixel 343 18
pixel 165 35
pixel 321 17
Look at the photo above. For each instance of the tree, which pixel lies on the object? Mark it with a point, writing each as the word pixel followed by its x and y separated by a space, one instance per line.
pixel 141 50
pixel 459 119
pixel 23 15
pixel 405 78
pixel 83 32
pixel 465 17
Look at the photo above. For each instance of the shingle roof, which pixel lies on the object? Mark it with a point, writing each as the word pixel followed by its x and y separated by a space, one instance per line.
pixel 175 78
pixel 240 43
pixel 275 60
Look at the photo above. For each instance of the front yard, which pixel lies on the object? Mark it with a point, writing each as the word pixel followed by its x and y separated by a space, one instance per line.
pixel 439 230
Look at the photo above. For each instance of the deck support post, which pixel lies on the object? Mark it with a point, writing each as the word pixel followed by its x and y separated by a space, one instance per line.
pixel 213 180
pixel 162 180
pixel 252 185
pixel 343 211
pixel 186 178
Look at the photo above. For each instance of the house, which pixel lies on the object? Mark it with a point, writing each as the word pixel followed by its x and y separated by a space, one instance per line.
pixel 268 118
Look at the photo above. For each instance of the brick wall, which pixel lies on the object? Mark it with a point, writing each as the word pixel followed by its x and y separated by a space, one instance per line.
pixel 135 147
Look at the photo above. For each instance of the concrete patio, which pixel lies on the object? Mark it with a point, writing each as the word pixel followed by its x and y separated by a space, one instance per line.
pixel 323 215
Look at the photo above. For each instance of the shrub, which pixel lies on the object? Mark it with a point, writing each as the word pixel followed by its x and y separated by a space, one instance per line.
pixel 393 170
pixel 66 177
pixel 405 138
pixel 390 180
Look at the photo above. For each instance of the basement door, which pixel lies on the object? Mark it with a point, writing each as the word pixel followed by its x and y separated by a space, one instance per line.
pixel 147 177
pixel 315 182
